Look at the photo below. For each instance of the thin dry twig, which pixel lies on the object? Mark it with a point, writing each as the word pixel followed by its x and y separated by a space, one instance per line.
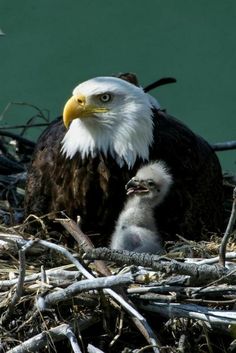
pixel 12 127
pixel 228 231
pixel 83 241
pixel 193 311
pixel 224 146
pixel 39 111
pixel 55 276
pixel 39 341
pixel 93 349
pixel 19 289
pixel 73 340
pixel 17 138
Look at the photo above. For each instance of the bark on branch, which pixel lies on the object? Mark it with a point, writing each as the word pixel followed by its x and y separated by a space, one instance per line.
pixel 199 274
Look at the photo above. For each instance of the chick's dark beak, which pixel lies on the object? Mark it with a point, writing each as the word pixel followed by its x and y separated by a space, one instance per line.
pixel 135 187
pixel 131 184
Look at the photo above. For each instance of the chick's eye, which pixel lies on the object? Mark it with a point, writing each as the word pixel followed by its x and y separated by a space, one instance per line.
pixel 106 97
pixel 150 183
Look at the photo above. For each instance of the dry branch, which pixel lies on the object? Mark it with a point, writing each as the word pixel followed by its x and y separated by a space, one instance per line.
pixel 85 286
pixel 83 241
pixel 35 343
pixel 55 277
pixel 17 137
pixel 197 312
pixel 228 231
pixel 19 289
pixel 20 283
pixel 198 274
pixel 92 349
pixel 224 146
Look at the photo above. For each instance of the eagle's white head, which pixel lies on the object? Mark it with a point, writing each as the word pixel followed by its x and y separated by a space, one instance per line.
pixel 109 115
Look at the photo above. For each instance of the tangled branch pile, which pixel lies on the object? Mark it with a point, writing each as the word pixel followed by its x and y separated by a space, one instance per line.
pixel 57 299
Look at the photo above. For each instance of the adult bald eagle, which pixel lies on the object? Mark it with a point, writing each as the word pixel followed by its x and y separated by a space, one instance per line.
pixel 111 128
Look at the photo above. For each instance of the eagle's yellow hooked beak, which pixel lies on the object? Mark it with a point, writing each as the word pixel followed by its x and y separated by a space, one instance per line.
pixel 76 107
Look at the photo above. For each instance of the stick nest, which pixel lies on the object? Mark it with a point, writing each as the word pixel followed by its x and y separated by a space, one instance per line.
pixel 56 297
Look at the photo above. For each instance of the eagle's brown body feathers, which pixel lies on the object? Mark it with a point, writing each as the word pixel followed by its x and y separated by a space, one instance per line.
pixel 92 188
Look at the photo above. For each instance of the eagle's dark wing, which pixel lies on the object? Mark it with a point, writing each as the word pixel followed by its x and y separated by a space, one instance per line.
pixel 195 203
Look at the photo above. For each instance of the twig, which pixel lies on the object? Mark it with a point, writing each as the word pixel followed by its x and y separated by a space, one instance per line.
pixel 40 111
pixel 224 146
pixel 232 346
pixel 92 349
pixel 228 231
pixel 160 82
pixel 18 138
pixel 20 282
pixel 182 343
pixel 56 277
pixel 34 344
pixel 11 127
pixel 73 340
pixel 84 286
pixel 83 241
pixel 34 220
pixel 10 166
pixel 120 327
pixel 19 289
pixel 228 256
pixel 193 311
pixel 143 349
pixel 194 292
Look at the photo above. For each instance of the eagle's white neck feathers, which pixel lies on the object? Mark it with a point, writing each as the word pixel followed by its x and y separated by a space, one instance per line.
pixel 125 131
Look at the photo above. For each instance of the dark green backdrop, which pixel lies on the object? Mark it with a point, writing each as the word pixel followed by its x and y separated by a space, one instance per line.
pixel 51 45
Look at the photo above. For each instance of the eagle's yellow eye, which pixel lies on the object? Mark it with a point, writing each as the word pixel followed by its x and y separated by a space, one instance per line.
pixel 106 97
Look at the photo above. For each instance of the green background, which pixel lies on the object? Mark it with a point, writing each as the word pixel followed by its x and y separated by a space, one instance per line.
pixel 51 45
